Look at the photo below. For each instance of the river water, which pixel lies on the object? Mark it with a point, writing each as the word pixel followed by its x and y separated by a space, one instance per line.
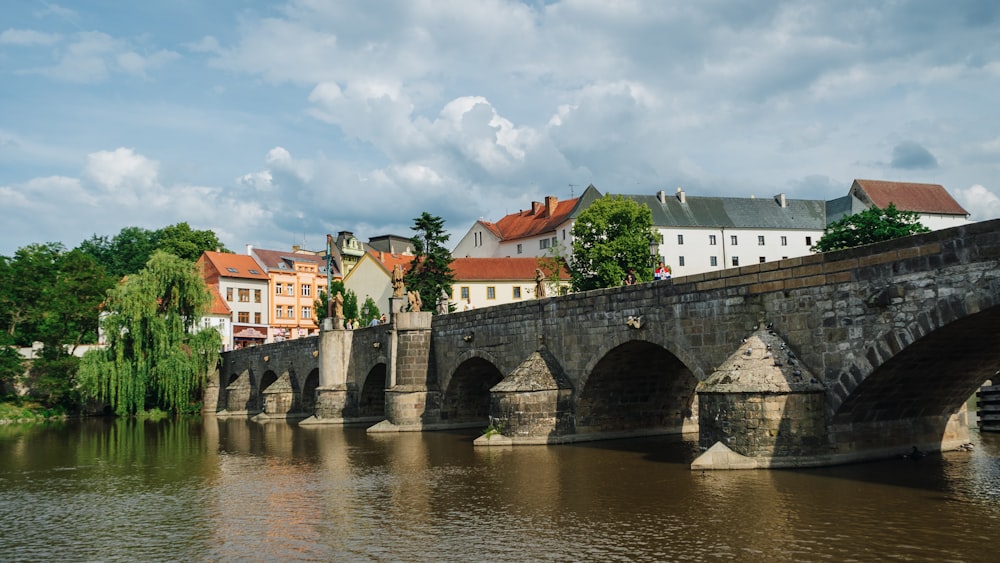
pixel 235 490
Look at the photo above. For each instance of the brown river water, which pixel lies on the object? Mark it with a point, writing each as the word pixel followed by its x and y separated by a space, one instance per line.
pixel 235 490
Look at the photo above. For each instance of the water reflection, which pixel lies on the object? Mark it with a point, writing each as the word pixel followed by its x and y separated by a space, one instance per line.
pixel 228 489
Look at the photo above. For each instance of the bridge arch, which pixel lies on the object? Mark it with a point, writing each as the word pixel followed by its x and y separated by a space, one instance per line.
pixel 309 386
pixel 929 368
pixel 371 396
pixel 637 385
pixel 466 392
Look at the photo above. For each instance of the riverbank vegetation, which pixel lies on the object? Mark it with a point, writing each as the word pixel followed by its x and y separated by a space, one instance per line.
pixel 51 302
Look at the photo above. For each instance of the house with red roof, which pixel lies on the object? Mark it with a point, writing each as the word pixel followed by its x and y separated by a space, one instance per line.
pixel 242 284
pixel 544 229
pixel 484 282
pixel 936 207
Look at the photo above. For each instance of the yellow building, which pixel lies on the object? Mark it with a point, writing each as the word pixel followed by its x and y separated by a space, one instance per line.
pixel 295 281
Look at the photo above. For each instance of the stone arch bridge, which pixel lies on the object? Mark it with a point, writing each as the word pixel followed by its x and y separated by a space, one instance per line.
pixel 829 358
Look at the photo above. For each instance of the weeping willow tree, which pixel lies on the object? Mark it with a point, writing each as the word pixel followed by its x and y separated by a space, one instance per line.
pixel 155 356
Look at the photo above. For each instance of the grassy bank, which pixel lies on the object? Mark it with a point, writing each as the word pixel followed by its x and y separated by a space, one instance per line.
pixel 27 411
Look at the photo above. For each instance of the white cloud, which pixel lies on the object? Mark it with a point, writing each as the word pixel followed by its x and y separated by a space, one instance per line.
pixel 982 203
pixel 27 37
pixel 121 170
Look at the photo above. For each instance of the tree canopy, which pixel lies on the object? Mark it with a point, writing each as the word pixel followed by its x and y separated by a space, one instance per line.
pixel 610 237
pixel 871 225
pixel 155 356
pixel 129 250
pixel 430 270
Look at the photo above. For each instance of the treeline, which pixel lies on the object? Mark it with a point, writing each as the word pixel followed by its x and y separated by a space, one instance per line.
pixel 53 295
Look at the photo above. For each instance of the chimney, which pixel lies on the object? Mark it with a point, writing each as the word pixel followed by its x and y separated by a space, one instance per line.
pixel 661 196
pixel 536 207
pixel 249 249
pixel 680 195
pixel 381 257
pixel 296 248
pixel 780 198
pixel 550 204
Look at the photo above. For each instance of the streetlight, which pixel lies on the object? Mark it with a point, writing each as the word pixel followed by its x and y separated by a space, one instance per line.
pixel 654 253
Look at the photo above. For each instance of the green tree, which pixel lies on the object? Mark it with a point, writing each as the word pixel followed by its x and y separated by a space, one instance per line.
pixel 610 237
pixel 350 300
pixel 429 271
pixel 128 251
pixel 23 283
pixel 72 301
pixel 184 242
pixel 53 377
pixel 11 367
pixel 125 253
pixel 869 226
pixel 154 356
pixel 369 311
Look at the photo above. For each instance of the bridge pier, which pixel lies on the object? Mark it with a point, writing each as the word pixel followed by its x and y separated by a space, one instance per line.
pixel 412 400
pixel 332 397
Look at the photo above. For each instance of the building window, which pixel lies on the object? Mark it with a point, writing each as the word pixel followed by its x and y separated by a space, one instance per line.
pixel 244 295
pixel 307 312
pixel 732 240
pixel 760 240
pixel 809 241
pixel 543 244
pixel 256 296
pixel 277 312
pixel 243 317
pixel 711 240
pixel 762 260
pixel 680 260
pixel 306 290
pixel 290 289
pixel 564 234
pixel 713 261
pixel 680 239
pixel 491 292
pixel 290 311
pixel 555 241
pixel 518 248
pixel 229 294
pixel 256 318
pixel 736 260
pixel 277 288
pixel 465 292
pixel 517 293
pixel 784 241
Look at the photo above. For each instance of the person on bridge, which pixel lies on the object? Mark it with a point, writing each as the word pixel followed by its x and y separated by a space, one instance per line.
pixel 629 277
pixel 662 272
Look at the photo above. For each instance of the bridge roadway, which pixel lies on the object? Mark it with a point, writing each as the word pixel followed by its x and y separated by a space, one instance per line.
pixel 829 358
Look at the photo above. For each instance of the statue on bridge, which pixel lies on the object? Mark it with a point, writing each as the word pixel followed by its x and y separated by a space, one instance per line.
pixel 540 291
pixel 415 302
pixel 338 306
pixel 443 303
pixel 398 289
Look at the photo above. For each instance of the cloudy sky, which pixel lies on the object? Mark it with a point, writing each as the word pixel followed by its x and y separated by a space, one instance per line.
pixel 274 123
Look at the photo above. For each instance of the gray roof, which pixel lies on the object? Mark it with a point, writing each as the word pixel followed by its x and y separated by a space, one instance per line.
pixel 735 212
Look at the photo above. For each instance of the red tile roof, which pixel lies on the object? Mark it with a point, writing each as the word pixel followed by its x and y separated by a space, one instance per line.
pixel 537 220
pixel 219 306
pixel 389 261
pixel 498 269
pixel 228 265
pixel 909 196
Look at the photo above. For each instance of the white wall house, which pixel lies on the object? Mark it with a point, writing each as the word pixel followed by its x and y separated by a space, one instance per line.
pixel 700 234
pixel 372 277
pixel 484 282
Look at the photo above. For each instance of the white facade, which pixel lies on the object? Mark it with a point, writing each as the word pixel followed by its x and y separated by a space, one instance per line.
pixel 690 251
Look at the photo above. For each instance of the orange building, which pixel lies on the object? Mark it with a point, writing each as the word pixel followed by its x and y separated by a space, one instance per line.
pixel 295 279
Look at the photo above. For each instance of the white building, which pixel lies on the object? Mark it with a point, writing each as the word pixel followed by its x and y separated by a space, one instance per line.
pixel 243 286
pixel 700 234
pixel 484 282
